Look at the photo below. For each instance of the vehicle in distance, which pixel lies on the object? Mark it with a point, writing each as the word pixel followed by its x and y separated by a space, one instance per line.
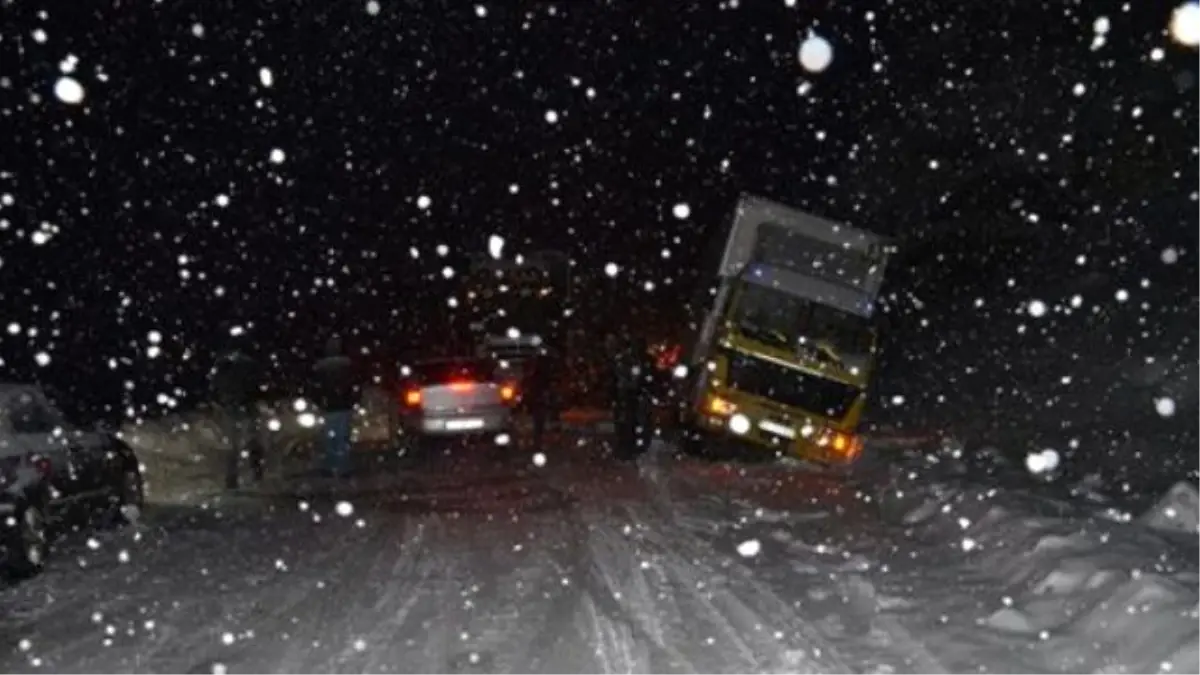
pixel 454 397
pixel 52 471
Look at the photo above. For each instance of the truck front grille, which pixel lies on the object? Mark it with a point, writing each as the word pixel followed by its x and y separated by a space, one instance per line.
pixel 790 387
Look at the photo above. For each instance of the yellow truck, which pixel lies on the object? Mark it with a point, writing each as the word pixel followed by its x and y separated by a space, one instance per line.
pixel 785 354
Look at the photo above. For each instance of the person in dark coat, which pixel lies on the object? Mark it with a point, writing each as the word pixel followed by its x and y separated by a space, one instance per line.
pixel 234 382
pixel 336 394
pixel 538 394
pixel 631 368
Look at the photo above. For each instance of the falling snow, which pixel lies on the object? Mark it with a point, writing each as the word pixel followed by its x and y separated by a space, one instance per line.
pixel 749 548
pixel 229 183
pixel 68 90
pixel 495 246
pixel 815 53
pixel 1185 24
pixel 1165 406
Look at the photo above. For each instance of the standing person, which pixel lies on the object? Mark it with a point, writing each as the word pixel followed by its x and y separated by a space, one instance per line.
pixel 335 394
pixel 613 389
pixel 629 371
pixel 641 393
pixel 234 381
pixel 539 383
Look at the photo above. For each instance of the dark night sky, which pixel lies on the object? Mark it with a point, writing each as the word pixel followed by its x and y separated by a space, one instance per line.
pixel 657 103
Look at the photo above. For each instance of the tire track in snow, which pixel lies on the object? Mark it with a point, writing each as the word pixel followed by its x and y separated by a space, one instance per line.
pixel 506 594
pixel 659 574
pixel 881 642
pixel 601 627
pixel 614 647
pixel 519 597
pixel 285 626
pixel 317 628
pixel 242 595
pixel 180 586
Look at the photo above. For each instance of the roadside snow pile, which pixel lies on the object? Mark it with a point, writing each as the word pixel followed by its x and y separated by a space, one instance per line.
pixel 1042 585
pixel 180 456
pixel 183 456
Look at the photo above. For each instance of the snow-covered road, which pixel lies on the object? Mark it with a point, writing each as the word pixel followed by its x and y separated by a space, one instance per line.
pixel 579 564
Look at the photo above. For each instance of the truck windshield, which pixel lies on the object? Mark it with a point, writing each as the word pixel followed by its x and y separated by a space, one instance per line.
pixel 777 318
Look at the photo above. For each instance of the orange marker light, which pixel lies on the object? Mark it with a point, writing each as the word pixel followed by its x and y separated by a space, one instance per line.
pixel 719 406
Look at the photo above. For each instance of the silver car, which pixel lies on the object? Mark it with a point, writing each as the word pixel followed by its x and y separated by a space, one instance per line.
pixel 445 398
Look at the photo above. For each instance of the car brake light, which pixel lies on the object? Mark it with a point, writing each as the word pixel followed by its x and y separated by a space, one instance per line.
pixel 461 386
pixel 507 392
pixel 412 397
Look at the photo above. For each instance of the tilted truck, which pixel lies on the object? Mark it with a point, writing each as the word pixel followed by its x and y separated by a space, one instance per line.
pixel 785 354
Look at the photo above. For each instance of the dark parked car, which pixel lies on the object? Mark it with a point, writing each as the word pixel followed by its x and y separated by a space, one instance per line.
pixel 51 471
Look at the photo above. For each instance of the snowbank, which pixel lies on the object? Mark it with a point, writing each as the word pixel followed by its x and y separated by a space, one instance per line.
pixel 1056 587
pixel 183 455
pixel 1000 577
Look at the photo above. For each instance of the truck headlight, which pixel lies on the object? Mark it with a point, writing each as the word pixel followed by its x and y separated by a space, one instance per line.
pixel 739 424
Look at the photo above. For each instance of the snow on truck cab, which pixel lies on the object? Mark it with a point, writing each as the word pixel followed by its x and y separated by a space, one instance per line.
pixel 786 351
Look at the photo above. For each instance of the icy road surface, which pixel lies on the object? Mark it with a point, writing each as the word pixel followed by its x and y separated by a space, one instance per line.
pixel 579 564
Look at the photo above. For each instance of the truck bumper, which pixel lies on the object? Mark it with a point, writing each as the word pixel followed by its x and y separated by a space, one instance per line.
pixel 757 427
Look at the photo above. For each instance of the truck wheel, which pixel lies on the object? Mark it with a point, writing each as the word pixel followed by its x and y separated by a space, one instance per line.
pixel 692 443
pixel 28 543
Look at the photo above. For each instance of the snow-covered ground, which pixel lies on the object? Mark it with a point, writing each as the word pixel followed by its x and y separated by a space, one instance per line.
pixel 558 560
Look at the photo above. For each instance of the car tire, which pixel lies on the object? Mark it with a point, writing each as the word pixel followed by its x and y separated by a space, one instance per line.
pixel 28 544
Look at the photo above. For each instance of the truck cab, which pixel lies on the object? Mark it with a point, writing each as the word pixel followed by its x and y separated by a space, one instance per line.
pixel 786 353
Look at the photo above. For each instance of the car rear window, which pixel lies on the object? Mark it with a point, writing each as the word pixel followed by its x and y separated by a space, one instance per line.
pixel 471 370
